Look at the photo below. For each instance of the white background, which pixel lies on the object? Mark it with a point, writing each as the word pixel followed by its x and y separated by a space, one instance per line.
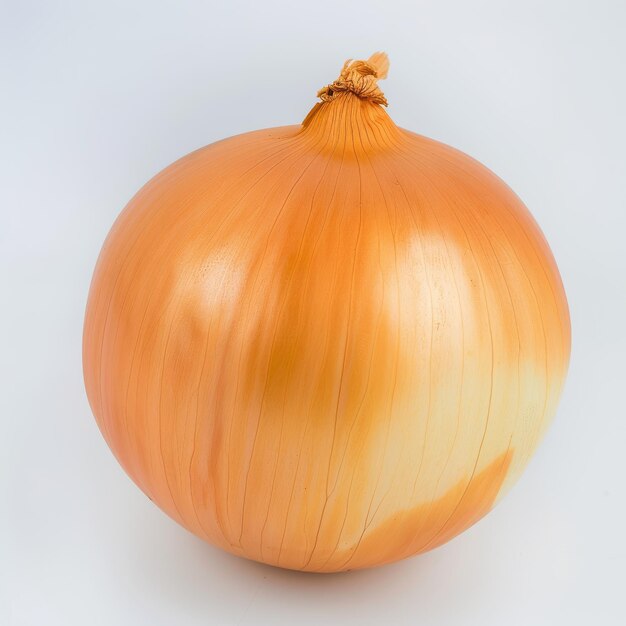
pixel 96 97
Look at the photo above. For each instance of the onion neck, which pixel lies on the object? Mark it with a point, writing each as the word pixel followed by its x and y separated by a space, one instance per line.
pixel 351 108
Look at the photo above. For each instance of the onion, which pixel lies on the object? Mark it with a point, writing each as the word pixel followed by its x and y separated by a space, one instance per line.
pixel 326 346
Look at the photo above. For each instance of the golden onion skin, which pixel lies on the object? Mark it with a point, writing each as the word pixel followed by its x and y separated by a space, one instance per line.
pixel 326 346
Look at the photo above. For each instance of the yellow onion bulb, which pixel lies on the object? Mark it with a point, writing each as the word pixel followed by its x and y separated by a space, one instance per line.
pixel 326 346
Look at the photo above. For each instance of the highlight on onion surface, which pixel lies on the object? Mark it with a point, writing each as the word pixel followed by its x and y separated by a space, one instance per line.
pixel 326 346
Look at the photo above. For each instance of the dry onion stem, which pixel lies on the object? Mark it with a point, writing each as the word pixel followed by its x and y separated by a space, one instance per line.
pixel 326 346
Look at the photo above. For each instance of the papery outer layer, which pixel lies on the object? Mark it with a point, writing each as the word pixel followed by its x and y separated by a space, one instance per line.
pixel 326 346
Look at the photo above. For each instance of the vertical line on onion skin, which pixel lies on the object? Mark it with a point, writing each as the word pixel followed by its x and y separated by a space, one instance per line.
pixel 127 289
pixel 113 341
pixel 492 354
pixel 173 314
pixel 362 400
pixel 132 444
pixel 541 318
pixel 305 283
pixel 482 441
pixel 501 271
pixel 418 232
pixel 349 132
pixel 145 471
pixel 280 314
pixel 350 308
pixel 382 132
pixel 227 216
pixel 521 265
pixel 236 320
pixel 264 253
pixel 94 310
pixel 141 472
pixel 395 373
pixel 462 351
pixel 408 205
pixel 460 307
pixel 394 385
pixel 195 434
pixel 325 342
pixel 488 239
pixel 477 221
pixel 533 247
pixel 354 549
pixel 327 339
pixel 513 309
pixel 291 150
pixel 100 358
